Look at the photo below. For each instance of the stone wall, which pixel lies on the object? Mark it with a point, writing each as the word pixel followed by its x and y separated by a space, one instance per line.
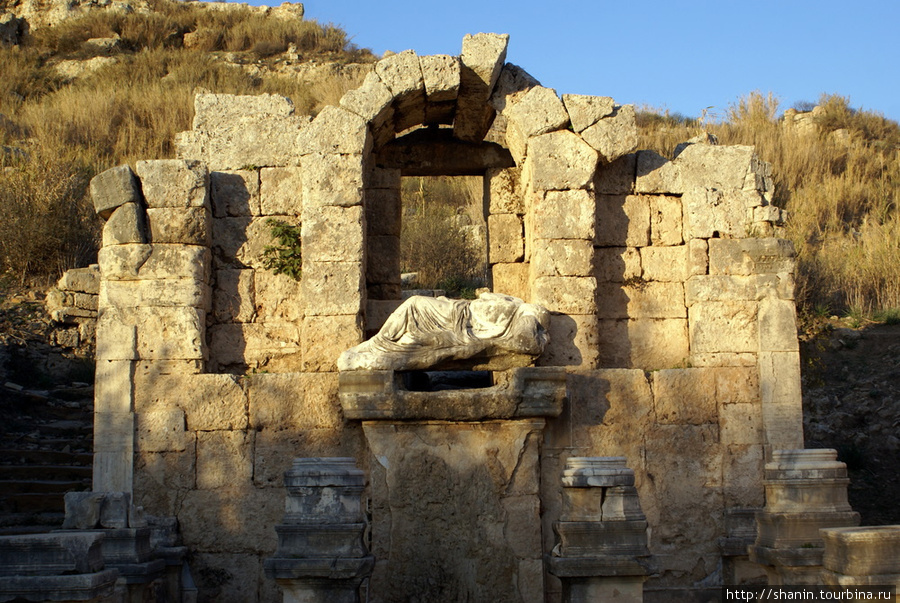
pixel 672 305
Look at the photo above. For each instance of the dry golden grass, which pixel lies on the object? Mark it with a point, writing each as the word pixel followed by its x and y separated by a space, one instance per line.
pixel 841 191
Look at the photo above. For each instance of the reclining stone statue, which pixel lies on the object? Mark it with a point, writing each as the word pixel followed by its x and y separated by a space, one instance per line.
pixel 423 332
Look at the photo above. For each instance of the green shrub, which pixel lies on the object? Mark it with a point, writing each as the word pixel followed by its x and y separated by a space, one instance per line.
pixel 285 256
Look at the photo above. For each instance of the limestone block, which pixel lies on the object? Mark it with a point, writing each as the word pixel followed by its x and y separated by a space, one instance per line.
pixel 114 431
pixel 112 471
pixel 648 344
pixel 562 257
pixel 566 294
pixel 564 215
pixel 585 111
pixel 574 341
pixel 777 326
pixel 233 296
pixel 280 191
pixel 187 226
pixel 506 238
pixel 207 402
pixel 740 423
pixel 147 371
pixel 622 221
pixel 154 262
pixel 332 179
pixel 174 183
pixel 737 385
pixel 126 224
pixel 512 279
pixel 613 136
pixel 685 396
pixel 864 551
pixel 504 185
pixel 232 132
pixel 383 260
pixel 728 326
pixel 161 431
pixel 536 111
pixel 779 386
pixel 116 340
pixel 273 345
pixel 721 167
pixel 113 386
pixel 171 333
pixel 665 264
pixel 325 337
pixel 332 288
pixel 378 177
pixel 269 458
pixel 171 293
pixel 113 188
pixel 383 207
pixel 751 256
pixel 665 220
pixel 333 234
pixel 561 160
pixel 698 256
pixel 402 74
pixel 742 471
pixel 241 242
pixel 294 401
pixel 377 312
pixel 642 299
pixel 712 213
pixel 86 280
pixel 224 459
pixel 482 58
pixel 163 478
pixel 721 287
pixel 335 131
pixel 440 73
pixel 617 264
pixel 723 359
pixel 656 174
pixel 277 297
pixel 235 193
pixel 371 101
pixel 512 83
pixel 616 178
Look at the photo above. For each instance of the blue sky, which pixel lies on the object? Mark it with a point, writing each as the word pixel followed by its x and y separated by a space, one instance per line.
pixel 683 56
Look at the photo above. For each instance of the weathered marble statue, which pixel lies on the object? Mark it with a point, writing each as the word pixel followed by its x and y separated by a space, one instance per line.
pixel 425 331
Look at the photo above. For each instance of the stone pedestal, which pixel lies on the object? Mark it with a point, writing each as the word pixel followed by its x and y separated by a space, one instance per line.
pixel 602 553
pixel 321 555
pixel 806 490
pixel 865 556
pixel 455 484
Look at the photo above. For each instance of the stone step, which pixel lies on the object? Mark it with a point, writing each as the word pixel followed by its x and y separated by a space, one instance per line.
pixel 44 457
pixel 80 444
pixel 32 503
pixel 45 472
pixel 8 487
pixel 30 523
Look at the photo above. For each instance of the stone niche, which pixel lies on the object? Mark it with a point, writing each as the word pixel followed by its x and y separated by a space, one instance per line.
pixel 671 300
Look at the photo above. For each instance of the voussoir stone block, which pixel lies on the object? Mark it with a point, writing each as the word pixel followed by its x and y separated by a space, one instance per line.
pixel 113 188
pixel 585 111
pixel 441 75
pixel 482 58
pixel 371 101
pixel 613 136
pixel 536 111
pixel 561 160
pixel 174 183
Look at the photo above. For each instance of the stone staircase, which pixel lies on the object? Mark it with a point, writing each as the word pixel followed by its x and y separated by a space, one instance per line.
pixel 45 451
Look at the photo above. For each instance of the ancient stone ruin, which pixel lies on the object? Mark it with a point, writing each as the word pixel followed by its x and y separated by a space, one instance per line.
pixel 630 454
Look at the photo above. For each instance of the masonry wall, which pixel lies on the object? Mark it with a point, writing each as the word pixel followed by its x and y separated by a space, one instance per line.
pixel 671 306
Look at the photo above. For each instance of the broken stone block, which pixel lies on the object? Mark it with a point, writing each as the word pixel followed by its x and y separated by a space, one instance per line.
pixel 174 183
pixel 86 280
pixel 127 224
pixel 335 130
pixel 82 510
pixel 113 188
pixel 536 111
pixel 585 111
pixel 280 191
pixel 115 510
pixel 51 557
pixel 561 160
pixel 333 234
pixel 506 238
pixel 656 174
pixel 186 226
pixel 724 168
pixel 235 193
pixel 562 257
pixel 622 221
pixel 564 215
pixel 482 58
pixel 440 73
pixel 613 136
